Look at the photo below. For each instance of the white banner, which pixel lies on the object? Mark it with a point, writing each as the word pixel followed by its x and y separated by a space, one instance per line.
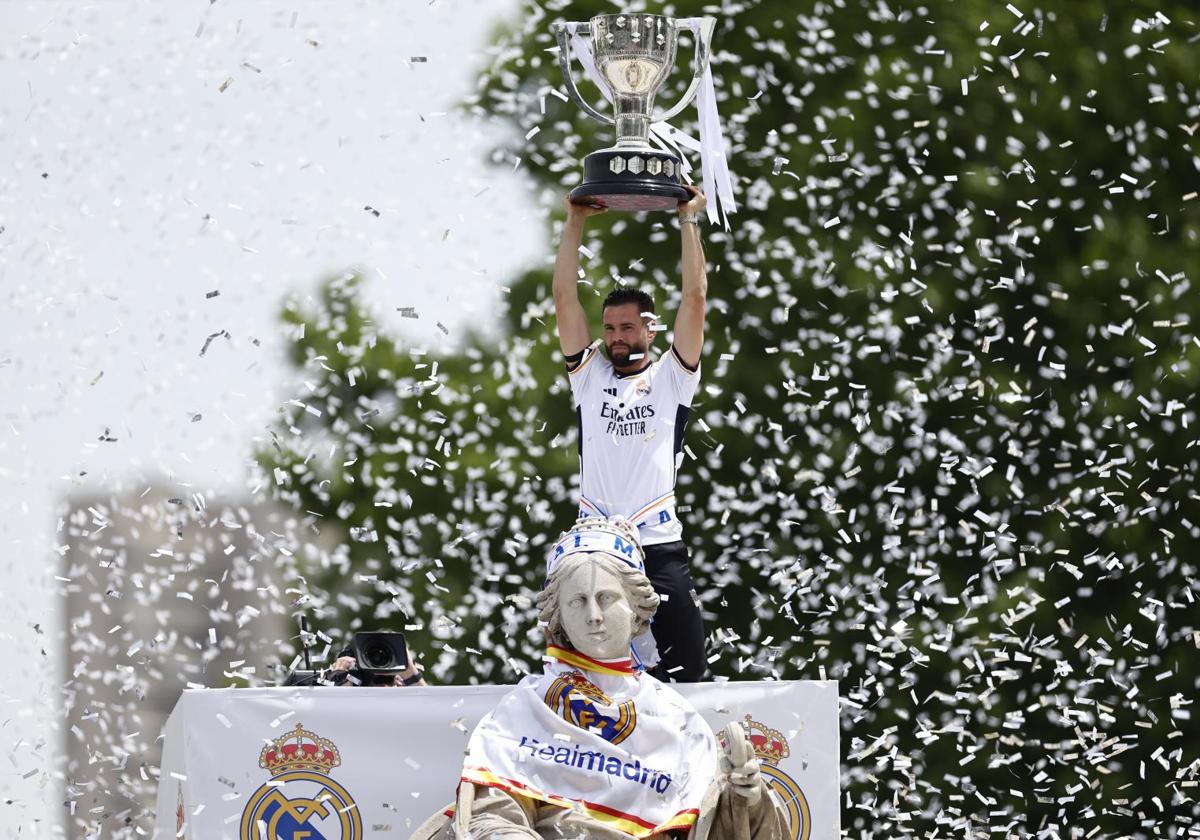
pixel 353 763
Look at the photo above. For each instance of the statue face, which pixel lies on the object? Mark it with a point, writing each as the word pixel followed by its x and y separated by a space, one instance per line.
pixel 595 612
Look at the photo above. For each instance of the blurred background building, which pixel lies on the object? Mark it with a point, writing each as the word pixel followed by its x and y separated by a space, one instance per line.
pixel 169 174
pixel 163 592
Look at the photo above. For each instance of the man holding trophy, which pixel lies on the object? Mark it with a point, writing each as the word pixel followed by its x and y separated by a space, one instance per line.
pixel 632 408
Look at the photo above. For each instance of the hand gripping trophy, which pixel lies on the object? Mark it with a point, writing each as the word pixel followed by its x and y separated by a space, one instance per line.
pixel 593 748
pixel 630 56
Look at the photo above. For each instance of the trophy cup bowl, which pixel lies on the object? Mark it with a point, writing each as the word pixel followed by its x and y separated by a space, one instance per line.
pixel 634 54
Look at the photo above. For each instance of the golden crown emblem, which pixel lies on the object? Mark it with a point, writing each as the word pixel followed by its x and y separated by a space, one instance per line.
pixel 586 687
pixel 299 749
pixel 769 744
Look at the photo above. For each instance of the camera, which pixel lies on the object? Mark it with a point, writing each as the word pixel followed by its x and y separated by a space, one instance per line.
pixel 379 656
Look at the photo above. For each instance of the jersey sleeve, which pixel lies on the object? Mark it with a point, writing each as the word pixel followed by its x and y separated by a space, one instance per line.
pixel 684 380
pixel 582 372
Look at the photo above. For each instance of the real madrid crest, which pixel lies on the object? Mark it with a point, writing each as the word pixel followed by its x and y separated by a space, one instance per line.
pixel 641 387
pixel 581 702
pixel 180 813
pixel 300 800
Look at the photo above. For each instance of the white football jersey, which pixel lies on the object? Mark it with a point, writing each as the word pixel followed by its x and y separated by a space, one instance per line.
pixel 631 439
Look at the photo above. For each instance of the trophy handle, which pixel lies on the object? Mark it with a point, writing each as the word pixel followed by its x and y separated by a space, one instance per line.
pixel 564 62
pixel 703 47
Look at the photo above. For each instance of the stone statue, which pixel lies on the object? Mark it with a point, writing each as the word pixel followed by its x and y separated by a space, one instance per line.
pixel 593 747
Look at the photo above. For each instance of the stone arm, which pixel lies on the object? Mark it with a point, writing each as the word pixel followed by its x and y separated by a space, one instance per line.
pixel 745 808
pixel 766 816
pixel 498 815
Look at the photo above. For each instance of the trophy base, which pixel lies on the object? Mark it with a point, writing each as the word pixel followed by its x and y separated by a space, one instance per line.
pixel 631 179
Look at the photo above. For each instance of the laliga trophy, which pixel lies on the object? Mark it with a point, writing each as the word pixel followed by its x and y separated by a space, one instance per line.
pixel 633 55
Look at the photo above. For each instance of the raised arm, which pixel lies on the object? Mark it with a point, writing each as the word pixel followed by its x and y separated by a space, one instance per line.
pixel 573 332
pixel 689 321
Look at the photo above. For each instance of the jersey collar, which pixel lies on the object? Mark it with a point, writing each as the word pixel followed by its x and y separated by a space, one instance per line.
pixel 633 373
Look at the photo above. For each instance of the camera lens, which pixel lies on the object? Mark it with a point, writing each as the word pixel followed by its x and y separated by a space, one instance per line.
pixel 378 655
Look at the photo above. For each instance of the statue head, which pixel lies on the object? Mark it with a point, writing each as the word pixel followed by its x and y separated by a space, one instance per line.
pixel 597 596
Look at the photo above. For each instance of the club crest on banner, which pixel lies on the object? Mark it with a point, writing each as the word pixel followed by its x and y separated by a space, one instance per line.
pixel 180 814
pixel 580 702
pixel 771 747
pixel 301 799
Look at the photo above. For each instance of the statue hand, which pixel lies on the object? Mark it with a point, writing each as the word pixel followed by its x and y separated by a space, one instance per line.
pixel 739 764
pixel 745 780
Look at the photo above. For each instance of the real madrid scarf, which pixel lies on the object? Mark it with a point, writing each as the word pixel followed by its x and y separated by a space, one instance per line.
pixel 592 735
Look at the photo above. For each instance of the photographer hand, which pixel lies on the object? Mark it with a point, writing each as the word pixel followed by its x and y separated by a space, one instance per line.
pixel 410 675
pixel 343 664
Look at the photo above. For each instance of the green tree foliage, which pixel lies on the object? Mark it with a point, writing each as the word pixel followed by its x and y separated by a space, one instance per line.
pixel 943 451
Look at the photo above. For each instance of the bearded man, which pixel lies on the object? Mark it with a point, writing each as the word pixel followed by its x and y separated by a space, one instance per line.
pixel 632 410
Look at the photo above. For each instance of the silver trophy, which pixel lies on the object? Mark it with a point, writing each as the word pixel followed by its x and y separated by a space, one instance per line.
pixel 633 53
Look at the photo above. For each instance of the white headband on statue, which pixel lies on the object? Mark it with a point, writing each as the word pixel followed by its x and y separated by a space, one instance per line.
pixel 597 534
